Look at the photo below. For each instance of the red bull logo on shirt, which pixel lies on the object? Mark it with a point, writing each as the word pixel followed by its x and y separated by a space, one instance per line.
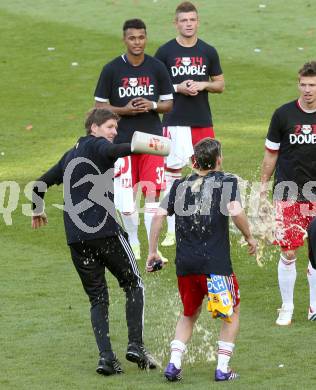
pixel 136 87
pixel 188 66
pixel 303 134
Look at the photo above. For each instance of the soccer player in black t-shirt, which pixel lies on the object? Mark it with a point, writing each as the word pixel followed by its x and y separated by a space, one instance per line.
pixel 94 237
pixel 202 203
pixel 195 71
pixel 138 88
pixel 291 155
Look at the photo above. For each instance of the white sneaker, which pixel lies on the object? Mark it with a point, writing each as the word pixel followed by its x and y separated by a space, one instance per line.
pixel 285 316
pixel 164 259
pixel 136 250
pixel 311 314
pixel 169 240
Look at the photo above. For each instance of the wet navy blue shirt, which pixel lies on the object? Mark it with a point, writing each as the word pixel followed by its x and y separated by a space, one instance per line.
pixel 201 216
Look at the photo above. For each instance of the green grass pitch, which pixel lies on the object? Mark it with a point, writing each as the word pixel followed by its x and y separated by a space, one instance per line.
pixel 46 340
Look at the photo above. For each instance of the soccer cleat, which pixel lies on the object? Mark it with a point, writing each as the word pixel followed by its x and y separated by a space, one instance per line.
pixel 136 250
pixel 285 316
pixel 164 259
pixel 109 366
pixel 172 373
pixel 225 376
pixel 137 353
pixel 311 314
pixel 169 240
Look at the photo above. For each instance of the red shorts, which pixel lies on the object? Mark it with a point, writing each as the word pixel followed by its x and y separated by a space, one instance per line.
pixel 149 172
pixel 292 220
pixel 193 289
pixel 198 133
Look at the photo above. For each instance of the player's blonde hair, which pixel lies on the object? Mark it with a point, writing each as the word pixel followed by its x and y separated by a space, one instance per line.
pixel 185 6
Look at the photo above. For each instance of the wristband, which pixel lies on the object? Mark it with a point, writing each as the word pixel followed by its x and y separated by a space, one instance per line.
pixel 155 105
pixel 175 87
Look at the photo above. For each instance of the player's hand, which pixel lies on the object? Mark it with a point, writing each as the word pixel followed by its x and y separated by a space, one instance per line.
pixel 154 262
pixel 252 245
pixel 198 86
pixel 39 221
pixel 132 108
pixel 142 104
pixel 187 88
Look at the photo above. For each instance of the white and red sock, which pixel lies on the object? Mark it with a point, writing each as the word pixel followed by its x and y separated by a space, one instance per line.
pixel 224 353
pixel 177 350
pixel 287 278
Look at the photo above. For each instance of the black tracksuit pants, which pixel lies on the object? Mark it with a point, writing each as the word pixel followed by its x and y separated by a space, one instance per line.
pixel 90 259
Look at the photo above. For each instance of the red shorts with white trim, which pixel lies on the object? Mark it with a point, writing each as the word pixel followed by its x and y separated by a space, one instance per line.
pixel 292 220
pixel 199 133
pixel 193 289
pixel 148 171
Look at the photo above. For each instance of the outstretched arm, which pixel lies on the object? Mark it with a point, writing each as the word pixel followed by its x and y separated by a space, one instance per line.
pixel 53 176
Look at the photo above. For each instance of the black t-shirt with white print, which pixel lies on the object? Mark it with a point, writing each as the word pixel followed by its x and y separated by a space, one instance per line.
pixel 292 133
pixel 197 63
pixel 120 82
pixel 199 204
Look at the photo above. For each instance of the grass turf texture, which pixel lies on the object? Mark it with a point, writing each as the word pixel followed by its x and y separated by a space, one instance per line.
pixel 46 338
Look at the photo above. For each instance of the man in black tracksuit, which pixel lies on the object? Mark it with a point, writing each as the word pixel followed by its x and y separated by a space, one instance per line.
pixel 94 237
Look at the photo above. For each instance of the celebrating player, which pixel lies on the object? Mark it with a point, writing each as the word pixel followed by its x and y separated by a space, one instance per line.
pixel 94 237
pixel 201 204
pixel 291 154
pixel 138 88
pixel 195 71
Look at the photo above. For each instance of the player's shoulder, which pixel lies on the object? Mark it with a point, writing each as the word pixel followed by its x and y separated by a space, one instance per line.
pixel 292 105
pixel 91 141
pixel 153 61
pixel 208 48
pixel 168 45
pixel 114 63
pixel 226 176
pixel 230 176
pixel 184 180
pixel 155 64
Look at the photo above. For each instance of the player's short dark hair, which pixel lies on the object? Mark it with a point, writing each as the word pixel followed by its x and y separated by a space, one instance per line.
pixel 99 116
pixel 133 23
pixel 206 153
pixel 186 6
pixel 308 69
